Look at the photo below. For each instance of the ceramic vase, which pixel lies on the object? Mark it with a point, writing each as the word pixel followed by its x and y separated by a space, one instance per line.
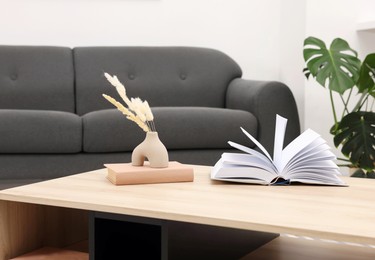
pixel 152 149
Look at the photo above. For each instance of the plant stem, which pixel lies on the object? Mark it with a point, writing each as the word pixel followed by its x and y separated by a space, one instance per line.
pixel 346 103
pixel 361 100
pixel 365 100
pixel 152 126
pixel 343 159
pixel 344 165
pixel 333 109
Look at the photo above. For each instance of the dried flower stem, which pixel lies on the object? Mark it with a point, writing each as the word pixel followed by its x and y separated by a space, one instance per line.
pixel 138 111
pixel 129 115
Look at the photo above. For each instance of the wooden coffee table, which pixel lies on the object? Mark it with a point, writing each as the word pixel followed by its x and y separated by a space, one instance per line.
pixel 176 218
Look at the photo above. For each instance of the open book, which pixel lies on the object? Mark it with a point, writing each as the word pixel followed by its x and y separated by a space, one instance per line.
pixel 307 159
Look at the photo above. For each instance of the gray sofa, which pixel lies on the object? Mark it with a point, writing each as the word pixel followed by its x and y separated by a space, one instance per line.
pixel 55 122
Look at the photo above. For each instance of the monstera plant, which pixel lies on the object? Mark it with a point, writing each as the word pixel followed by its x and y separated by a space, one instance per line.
pixel 341 71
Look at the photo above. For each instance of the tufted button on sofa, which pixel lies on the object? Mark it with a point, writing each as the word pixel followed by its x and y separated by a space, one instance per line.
pixel 55 122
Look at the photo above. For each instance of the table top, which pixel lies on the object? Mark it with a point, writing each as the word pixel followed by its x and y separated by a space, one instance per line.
pixel 339 213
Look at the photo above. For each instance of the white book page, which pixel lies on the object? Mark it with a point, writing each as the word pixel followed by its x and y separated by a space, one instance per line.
pixel 298 145
pixel 248 160
pixel 255 141
pixel 334 180
pixel 280 128
pixel 250 151
pixel 317 149
pixel 312 149
pixel 222 171
pixel 326 170
pixel 313 165
pixel 247 181
pixel 313 159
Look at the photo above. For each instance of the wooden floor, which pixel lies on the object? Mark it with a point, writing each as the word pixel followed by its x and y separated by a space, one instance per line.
pixel 297 248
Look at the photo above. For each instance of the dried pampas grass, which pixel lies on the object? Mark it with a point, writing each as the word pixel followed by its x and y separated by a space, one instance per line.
pixel 137 111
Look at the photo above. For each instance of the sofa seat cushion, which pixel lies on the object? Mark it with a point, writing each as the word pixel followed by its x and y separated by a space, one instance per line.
pixel 178 128
pixel 39 131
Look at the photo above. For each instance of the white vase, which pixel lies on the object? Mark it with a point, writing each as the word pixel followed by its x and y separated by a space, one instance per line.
pixel 152 149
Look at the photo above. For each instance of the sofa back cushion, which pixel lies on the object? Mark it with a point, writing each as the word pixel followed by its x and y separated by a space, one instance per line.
pixel 36 77
pixel 164 76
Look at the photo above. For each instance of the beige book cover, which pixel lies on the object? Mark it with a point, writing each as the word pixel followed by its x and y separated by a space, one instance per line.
pixel 126 173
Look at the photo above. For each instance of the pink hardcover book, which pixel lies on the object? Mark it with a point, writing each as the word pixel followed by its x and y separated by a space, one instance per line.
pixel 126 173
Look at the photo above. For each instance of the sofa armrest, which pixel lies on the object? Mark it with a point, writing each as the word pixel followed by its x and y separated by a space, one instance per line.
pixel 265 99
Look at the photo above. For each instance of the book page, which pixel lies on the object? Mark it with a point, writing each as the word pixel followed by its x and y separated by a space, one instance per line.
pixel 248 160
pixel 317 149
pixel 250 151
pixel 318 176
pixel 314 168
pixel 315 171
pixel 255 141
pixel 240 173
pixel 280 128
pixel 313 159
pixel 297 145
pixel 317 146
pixel 334 181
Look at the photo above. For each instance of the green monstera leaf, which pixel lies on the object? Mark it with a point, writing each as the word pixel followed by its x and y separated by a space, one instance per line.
pixel 367 75
pixel 356 135
pixel 338 67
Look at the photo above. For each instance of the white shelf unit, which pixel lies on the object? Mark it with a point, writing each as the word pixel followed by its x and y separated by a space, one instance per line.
pixel 368 26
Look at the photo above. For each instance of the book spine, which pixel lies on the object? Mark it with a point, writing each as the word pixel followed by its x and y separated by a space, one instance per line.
pixel 181 175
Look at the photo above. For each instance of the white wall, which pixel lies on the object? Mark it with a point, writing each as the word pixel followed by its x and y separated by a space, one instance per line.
pixel 292 34
pixel 246 30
